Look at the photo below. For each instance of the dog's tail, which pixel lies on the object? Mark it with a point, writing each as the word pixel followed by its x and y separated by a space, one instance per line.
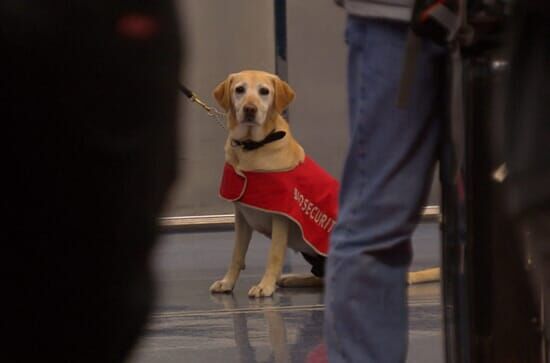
pixel 423 276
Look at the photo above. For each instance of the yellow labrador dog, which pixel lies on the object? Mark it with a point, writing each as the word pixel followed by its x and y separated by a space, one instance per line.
pixel 254 102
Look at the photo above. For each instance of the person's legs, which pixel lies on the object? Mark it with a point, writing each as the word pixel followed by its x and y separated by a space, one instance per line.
pixel 386 179
pixel 366 307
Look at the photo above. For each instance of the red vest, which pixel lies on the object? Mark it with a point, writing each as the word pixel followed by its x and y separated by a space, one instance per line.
pixel 307 194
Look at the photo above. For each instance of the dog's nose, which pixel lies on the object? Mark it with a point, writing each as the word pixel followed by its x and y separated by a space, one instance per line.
pixel 250 111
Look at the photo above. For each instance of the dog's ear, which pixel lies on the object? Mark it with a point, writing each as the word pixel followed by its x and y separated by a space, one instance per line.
pixel 284 94
pixel 222 93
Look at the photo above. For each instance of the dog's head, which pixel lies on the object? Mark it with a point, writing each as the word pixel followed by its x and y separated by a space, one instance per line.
pixel 252 99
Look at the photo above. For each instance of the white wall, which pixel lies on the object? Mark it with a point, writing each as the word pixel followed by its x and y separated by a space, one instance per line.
pixel 224 36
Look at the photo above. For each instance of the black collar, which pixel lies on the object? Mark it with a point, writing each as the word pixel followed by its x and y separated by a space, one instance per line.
pixel 248 145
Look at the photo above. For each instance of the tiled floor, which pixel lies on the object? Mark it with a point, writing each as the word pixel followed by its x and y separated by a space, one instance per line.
pixel 191 325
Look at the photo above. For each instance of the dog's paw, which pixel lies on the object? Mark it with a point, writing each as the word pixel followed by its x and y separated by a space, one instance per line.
pixel 261 290
pixel 299 280
pixel 221 286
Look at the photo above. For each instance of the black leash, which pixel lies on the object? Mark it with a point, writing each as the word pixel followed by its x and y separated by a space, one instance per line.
pixel 186 91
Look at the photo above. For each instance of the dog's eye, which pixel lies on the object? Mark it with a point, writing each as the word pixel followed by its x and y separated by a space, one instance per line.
pixel 239 89
pixel 264 91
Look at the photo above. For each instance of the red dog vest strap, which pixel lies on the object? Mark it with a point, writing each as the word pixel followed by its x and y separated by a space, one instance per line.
pixel 307 194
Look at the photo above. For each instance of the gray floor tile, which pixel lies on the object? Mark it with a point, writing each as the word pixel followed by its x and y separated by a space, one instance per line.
pixel 191 325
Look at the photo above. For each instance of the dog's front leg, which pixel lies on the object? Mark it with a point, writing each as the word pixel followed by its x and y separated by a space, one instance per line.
pixel 275 260
pixel 243 234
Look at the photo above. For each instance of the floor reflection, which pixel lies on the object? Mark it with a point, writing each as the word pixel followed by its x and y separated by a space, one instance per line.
pixel 293 331
pixel 271 330
pixel 191 325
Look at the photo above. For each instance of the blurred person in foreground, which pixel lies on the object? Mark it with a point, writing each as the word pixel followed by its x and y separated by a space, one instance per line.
pixel 386 180
pixel 88 105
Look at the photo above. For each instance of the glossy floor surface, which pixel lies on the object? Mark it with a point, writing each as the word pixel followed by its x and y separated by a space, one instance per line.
pixel 191 325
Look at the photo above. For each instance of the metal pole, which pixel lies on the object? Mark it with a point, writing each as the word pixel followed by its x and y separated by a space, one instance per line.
pixel 281 61
pixel 281 64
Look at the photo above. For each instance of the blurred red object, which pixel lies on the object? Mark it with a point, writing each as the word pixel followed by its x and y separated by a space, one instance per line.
pixel 137 26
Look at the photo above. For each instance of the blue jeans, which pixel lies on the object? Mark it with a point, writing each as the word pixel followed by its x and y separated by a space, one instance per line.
pixel 386 181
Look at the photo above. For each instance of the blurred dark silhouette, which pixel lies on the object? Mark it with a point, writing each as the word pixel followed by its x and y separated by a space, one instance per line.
pixel 496 255
pixel 88 92
pixel 524 144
